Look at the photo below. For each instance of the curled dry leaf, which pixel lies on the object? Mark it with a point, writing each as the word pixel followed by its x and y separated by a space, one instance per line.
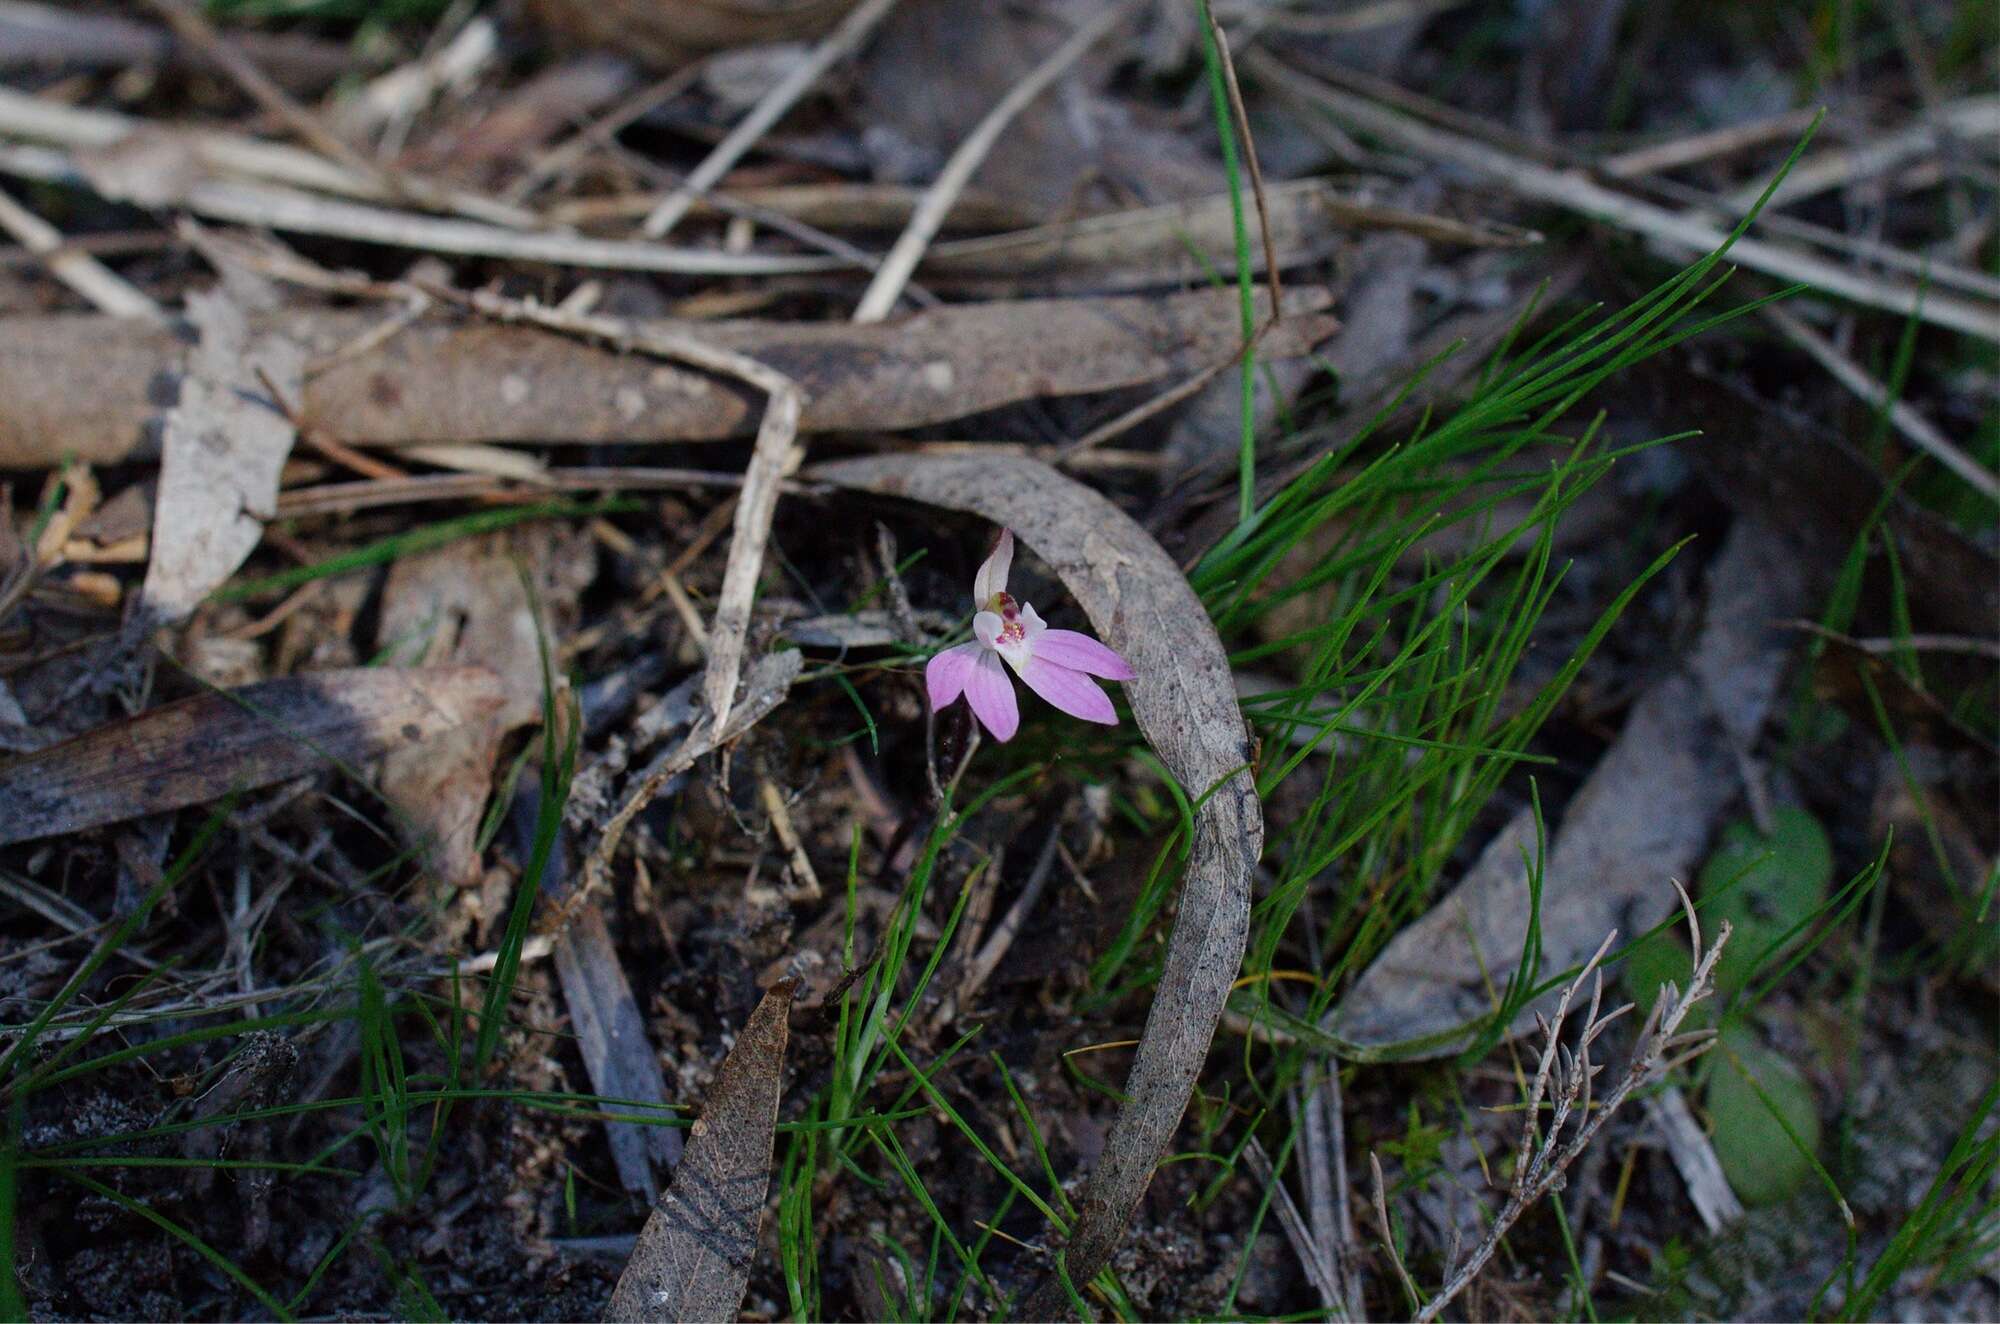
pixel 224 445
pixel 81 384
pixel 467 604
pixel 693 1258
pixel 1640 819
pixel 1184 703
pixel 201 749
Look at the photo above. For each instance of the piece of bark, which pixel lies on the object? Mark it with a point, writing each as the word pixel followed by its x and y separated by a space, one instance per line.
pixel 617 1055
pixel 692 1261
pixel 224 445
pixel 1184 703
pixel 202 748
pixel 1695 1159
pixel 1641 818
pixel 92 386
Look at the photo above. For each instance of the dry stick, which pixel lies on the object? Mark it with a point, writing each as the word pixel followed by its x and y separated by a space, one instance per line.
pixel 860 21
pixel 936 204
pixel 1916 429
pixel 1318 1272
pixel 1695 147
pixel 30 117
pixel 1565 1079
pixel 1690 234
pixel 197 31
pixel 103 287
pixel 773 458
pixel 1388 1233
pixel 303 213
pixel 561 157
pixel 1976 118
pixel 1250 156
pixel 1916 643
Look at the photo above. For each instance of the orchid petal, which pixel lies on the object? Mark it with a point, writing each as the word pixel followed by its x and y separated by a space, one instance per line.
pixel 1071 691
pixel 1079 652
pixel 1031 620
pixel 992 576
pixel 945 675
pixel 988 625
pixel 991 695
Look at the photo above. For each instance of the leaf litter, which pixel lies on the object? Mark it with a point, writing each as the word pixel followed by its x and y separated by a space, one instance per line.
pixel 450 839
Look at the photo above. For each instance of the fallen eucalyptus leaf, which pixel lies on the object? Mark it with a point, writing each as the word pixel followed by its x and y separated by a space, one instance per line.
pixel 1184 702
pixel 692 1261
pixel 201 749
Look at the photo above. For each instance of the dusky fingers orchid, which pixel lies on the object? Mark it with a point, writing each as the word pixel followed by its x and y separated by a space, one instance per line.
pixel 1056 664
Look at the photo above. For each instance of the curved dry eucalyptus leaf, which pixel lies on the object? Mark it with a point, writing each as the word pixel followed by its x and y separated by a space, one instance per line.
pixel 1185 705
pixel 1641 818
pixel 692 1261
pixel 201 749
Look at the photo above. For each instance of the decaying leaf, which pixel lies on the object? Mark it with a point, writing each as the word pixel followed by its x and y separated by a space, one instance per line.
pixel 1641 818
pixel 83 384
pixel 1184 702
pixel 200 749
pixel 693 1257
pixel 467 604
pixel 224 444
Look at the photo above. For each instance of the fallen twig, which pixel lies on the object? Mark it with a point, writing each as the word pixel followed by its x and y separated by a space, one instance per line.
pixel 1563 1077
pixel 1682 233
pixel 106 290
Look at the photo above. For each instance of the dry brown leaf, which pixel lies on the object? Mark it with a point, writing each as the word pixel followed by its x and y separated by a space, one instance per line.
pixel 1640 819
pixel 224 445
pixel 200 749
pixel 693 1257
pixel 466 604
pixel 82 384
pixel 1184 702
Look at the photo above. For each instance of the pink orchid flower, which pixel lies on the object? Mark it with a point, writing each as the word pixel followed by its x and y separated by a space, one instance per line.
pixel 1056 664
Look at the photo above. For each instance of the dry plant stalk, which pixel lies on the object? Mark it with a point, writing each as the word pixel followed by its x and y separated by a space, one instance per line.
pixel 1563 1079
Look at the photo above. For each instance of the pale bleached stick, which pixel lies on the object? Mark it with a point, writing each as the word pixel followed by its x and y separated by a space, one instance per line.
pixel 853 29
pixel 39 120
pixel 105 288
pixel 1975 118
pixel 937 201
pixel 1684 234
pixel 304 213
pixel 773 459
pixel 1685 151
pixel 1916 429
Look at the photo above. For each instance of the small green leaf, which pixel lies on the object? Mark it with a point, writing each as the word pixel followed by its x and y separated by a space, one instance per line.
pixel 1765 887
pixel 1759 1155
